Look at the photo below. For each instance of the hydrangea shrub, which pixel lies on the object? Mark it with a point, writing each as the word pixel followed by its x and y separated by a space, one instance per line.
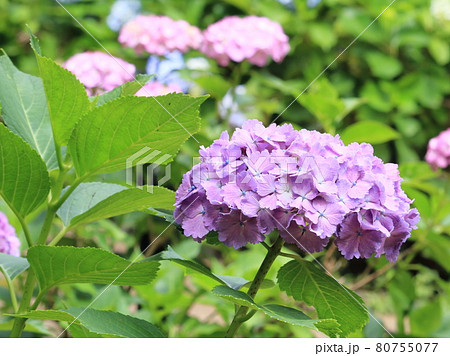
pixel 251 38
pixel 159 34
pixel 100 72
pixel 308 185
pixel 270 185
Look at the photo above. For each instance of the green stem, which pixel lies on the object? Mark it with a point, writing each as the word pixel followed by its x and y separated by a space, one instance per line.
pixel 51 212
pixel 54 205
pixel 25 229
pixel 400 323
pixel 241 315
pixel 12 293
pixel 37 301
pixel 290 255
pixel 58 237
pixel 67 193
pixel 52 209
pixel 59 158
pixel 19 323
pixel 58 184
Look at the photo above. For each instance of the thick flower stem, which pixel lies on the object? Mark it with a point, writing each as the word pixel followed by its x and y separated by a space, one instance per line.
pixel 19 323
pixel 241 315
pixel 12 293
pixel 51 212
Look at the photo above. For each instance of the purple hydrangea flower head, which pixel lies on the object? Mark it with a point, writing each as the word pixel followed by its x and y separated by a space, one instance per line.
pixel 159 35
pixel 307 185
pixel 100 72
pixel 251 38
pixel 9 243
pixel 438 154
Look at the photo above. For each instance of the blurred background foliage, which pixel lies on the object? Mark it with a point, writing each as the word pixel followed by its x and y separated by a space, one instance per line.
pixel 391 88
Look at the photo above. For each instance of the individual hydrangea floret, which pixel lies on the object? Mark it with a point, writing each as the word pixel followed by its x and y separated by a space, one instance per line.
pixel 438 153
pixel 9 243
pixel 100 72
pixel 251 38
pixel 159 34
pixel 156 88
pixel 307 185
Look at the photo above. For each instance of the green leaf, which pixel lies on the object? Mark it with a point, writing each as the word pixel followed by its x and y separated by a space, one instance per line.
pixel 323 102
pixel 66 98
pixel 212 238
pixel 84 197
pixel 350 104
pixel 34 41
pixel 377 97
pixel 96 201
pixel 426 319
pixel 215 85
pixel 383 66
pixel 402 291
pixel 12 265
pixel 24 109
pixel 24 181
pixel 323 34
pixel 235 296
pixel 127 201
pixel 80 332
pixel 66 264
pixel 233 282
pixel 439 50
pixel 166 214
pixel 128 88
pixel 292 316
pixel 171 255
pixel 103 322
pixel 421 201
pixel 32 327
pixel 133 130
pixel 407 126
pixel 368 131
pixel 279 312
pixel 266 284
pixel 305 282
pixel 417 171
pixel 437 247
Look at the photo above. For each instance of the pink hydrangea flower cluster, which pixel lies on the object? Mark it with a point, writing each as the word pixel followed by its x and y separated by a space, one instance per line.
pixel 438 154
pixel 249 38
pixel 9 243
pixel 159 35
pixel 100 72
pixel 308 185
pixel 156 88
